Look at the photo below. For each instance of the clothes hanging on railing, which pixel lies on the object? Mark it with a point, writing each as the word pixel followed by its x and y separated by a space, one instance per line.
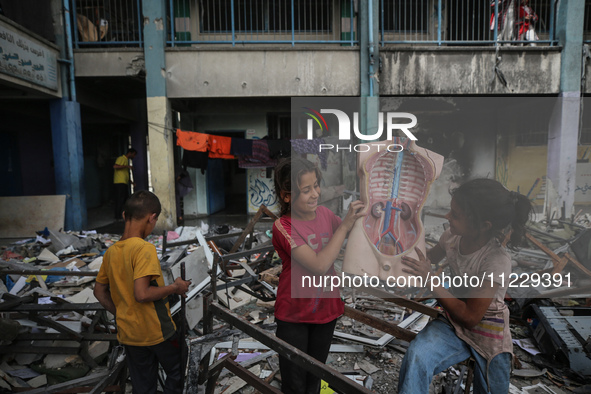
pixel 311 146
pixel 260 157
pixel 220 147
pixel 279 148
pixel 241 147
pixel 198 147
pixel 193 141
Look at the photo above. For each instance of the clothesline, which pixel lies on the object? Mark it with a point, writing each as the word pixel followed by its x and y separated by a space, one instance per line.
pixel 251 153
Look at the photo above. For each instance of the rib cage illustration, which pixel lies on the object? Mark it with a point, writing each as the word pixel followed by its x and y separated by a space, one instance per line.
pixel 396 181
pixel 394 186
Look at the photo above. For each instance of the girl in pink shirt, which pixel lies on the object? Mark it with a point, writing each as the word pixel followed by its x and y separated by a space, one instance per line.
pixel 308 238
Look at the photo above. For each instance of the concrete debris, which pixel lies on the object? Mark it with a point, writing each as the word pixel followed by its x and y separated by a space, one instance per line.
pixel 46 291
pixel 381 354
pixel 367 367
pixel 55 300
pixel 38 381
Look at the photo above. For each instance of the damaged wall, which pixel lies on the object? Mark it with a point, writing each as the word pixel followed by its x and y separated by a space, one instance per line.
pixel 469 70
pixel 523 168
pixel 242 72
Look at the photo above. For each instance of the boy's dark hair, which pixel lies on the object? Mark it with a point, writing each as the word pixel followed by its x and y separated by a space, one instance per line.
pixel 287 175
pixel 131 150
pixel 141 204
pixel 488 200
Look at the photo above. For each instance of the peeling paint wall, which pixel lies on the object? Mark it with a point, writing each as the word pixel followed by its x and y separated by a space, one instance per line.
pixel 434 71
pixel 330 71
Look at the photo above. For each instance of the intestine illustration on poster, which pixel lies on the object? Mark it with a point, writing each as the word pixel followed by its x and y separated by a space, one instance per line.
pixel 394 187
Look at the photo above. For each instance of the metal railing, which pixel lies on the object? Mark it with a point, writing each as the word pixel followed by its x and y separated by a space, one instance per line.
pixel 107 23
pixel 262 22
pixel 237 22
pixel 467 22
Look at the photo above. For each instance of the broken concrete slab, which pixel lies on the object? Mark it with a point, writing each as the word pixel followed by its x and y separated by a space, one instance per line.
pixel 84 297
pixel 54 361
pixel 29 358
pixel 60 241
pixel 98 348
pixel 37 382
pixel 233 299
pixel 95 265
pixel 75 262
pixel 194 312
pixel 195 267
pixel 46 255
pixel 367 367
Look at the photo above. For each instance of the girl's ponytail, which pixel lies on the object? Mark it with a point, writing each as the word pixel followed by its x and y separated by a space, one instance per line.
pixel 523 209
pixel 488 200
pixel 282 181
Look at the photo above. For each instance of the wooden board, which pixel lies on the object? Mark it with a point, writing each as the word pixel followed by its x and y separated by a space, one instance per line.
pixel 20 217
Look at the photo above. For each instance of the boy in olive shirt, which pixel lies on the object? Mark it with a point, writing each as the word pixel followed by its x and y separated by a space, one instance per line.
pixel 121 180
pixel 130 286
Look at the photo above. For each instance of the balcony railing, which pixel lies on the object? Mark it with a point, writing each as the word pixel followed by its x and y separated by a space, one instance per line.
pixel 467 22
pixel 107 23
pixel 262 22
pixel 296 22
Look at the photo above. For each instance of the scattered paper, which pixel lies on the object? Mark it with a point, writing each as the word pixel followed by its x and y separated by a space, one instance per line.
pixel 527 345
pixel 42 240
pixel 23 373
pixel 24 241
pixel 18 286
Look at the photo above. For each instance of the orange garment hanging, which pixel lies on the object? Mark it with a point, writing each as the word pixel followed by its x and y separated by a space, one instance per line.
pixel 219 147
pixel 193 141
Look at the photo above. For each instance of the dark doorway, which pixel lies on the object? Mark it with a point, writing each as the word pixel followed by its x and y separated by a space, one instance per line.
pixel 226 182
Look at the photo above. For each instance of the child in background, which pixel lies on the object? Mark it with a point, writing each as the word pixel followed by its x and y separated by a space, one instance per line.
pixel 476 322
pixel 130 286
pixel 308 238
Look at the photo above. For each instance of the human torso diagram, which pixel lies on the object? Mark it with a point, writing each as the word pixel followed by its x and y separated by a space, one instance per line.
pixel 394 186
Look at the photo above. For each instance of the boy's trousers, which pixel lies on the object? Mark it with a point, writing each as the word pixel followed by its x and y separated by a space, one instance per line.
pixel 143 361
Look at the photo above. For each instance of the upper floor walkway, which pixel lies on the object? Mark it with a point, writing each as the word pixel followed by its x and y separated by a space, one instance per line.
pixel 255 48
pixel 117 23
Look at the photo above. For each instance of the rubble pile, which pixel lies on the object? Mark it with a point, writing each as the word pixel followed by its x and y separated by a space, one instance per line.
pixel 56 335
pixel 53 328
pixel 48 303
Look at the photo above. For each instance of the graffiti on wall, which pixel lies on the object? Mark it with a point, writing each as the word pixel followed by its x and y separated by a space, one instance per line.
pixel 261 191
pixel 583 183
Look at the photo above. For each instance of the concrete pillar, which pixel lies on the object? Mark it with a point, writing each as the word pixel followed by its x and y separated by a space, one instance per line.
pixel 565 122
pixel 563 135
pixel 160 132
pixel 66 134
pixel 161 160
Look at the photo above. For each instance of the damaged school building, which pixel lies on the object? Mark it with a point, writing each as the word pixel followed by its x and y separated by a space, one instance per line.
pixel 81 81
